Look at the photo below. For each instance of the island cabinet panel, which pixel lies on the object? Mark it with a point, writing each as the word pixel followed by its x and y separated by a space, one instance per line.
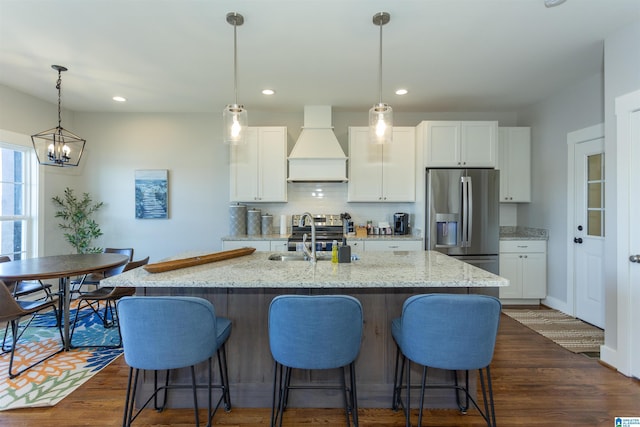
pixel 251 366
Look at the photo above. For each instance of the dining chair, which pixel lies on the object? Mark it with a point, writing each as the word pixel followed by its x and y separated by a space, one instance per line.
pixel 314 332
pixel 165 333
pixel 450 332
pixel 24 288
pixel 107 295
pixel 11 311
pixel 94 278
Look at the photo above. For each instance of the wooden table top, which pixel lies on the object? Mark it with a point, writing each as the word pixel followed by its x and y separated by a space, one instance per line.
pixel 56 266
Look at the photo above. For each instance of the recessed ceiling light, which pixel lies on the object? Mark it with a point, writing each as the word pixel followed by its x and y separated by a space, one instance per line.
pixel 119 99
pixel 401 92
pixel 268 92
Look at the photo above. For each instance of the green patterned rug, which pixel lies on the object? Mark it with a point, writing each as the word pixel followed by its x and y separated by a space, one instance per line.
pixel 567 331
pixel 51 381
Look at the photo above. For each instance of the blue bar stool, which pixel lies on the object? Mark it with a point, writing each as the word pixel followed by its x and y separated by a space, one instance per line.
pixel 314 332
pixel 164 333
pixel 451 332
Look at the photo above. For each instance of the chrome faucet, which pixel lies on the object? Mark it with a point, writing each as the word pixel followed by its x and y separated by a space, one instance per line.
pixel 310 254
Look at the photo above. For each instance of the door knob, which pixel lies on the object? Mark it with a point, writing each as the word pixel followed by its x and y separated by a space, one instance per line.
pixel 634 258
pixel 577 240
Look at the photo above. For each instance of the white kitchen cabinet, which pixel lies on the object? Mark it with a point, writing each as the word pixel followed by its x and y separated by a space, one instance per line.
pixel 514 162
pixel 279 246
pixel 524 263
pixel 459 143
pixel 259 168
pixel 392 245
pixel 382 172
pixel 260 245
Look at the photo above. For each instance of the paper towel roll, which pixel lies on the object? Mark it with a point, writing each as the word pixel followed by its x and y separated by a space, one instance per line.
pixel 283 225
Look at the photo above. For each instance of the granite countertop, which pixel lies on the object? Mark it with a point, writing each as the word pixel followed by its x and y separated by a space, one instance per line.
pixel 523 233
pixel 286 236
pixel 401 269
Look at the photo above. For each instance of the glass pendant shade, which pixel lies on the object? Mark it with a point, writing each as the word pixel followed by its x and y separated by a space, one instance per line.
pixel 381 124
pixel 58 147
pixel 235 123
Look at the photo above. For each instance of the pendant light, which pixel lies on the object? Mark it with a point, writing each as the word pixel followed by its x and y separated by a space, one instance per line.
pixel 57 146
pixel 381 114
pixel 234 116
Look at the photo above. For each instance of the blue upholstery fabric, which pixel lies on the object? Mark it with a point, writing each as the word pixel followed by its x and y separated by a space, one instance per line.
pixel 455 332
pixel 315 332
pixel 169 332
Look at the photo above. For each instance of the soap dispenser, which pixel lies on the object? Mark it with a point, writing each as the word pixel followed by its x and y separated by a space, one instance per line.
pixel 334 252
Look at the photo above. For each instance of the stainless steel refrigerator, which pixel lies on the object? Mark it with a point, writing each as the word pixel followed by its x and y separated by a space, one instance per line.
pixel 462 215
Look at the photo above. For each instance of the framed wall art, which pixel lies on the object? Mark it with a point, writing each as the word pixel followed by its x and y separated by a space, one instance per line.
pixel 152 195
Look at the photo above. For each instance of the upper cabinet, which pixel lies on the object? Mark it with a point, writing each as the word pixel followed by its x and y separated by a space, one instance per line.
pixel 382 172
pixel 259 167
pixel 514 162
pixel 459 143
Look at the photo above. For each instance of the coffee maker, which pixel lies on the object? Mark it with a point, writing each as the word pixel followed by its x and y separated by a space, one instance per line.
pixel 400 223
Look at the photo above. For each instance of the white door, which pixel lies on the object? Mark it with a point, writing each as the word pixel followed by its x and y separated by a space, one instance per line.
pixel 634 244
pixel 589 232
pixel 628 233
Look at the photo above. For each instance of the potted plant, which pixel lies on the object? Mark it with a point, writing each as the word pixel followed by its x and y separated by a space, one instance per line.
pixel 75 214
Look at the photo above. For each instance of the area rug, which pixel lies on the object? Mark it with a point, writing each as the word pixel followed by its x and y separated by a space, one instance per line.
pixel 571 333
pixel 51 381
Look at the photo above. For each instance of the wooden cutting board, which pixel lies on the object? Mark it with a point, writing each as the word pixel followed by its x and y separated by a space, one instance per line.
pixel 160 267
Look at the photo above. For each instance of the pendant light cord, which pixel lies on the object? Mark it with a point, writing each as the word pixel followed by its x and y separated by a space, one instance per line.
pixel 380 67
pixel 235 62
pixel 58 86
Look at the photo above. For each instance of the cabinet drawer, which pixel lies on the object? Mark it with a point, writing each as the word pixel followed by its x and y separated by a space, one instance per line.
pixel 523 246
pixel 393 245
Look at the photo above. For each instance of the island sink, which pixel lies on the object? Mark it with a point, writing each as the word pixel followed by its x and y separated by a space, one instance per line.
pixel 296 257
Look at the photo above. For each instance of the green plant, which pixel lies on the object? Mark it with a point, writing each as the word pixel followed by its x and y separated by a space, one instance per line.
pixel 75 213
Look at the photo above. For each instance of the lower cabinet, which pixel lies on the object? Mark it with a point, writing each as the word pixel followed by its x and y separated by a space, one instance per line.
pixel 524 263
pixel 260 245
pixel 387 245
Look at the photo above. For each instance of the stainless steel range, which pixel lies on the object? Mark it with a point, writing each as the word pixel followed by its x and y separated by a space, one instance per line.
pixel 329 227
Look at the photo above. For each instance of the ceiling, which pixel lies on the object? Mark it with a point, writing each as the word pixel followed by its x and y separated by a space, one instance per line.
pixel 177 55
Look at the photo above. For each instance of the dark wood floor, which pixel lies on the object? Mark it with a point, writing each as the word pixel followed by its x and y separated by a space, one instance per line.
pixel 536 383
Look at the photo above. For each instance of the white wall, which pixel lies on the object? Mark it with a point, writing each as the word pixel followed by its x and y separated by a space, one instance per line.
pixel 572 108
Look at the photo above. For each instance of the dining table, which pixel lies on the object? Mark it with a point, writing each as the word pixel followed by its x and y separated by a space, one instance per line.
pixel 63 268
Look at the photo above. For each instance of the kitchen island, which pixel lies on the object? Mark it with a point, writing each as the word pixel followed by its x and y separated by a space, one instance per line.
pixel 242 288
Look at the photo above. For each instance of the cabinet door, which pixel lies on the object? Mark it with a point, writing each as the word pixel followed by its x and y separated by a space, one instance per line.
pixel 478 144
pixel 442 147
pixel 392 245
pixel 534 275
pixel 279 246
pixel 260 245
pixel 272 164
pixel 243 168
pixel 510 268
pixel 258 169
pixel 398 166
pixel 514 161
pixel 365 167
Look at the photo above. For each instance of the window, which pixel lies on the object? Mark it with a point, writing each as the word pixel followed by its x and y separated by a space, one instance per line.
pixel 15 213
pixel 595 195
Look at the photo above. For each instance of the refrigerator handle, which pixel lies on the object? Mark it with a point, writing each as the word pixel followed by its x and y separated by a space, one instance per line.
pixel 465 211
pixel 469 210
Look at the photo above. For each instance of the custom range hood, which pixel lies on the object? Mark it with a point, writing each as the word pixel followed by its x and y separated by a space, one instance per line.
pixel 317 155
